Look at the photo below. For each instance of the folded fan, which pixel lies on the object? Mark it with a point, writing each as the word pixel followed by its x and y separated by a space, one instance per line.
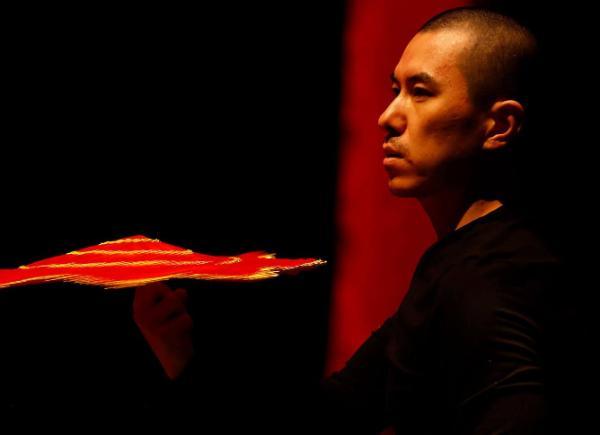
pixel 139 260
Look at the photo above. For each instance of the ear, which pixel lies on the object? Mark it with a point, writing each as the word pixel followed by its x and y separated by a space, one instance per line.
pixel 505 119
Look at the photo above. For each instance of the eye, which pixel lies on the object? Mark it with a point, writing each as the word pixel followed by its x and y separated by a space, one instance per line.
pixel 421 92
pixel 395 90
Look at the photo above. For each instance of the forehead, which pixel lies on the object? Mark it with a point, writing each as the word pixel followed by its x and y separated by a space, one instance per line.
pixel 437 53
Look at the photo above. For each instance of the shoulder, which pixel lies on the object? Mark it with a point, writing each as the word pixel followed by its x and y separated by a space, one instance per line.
pixel 497 271
pixel 502 248
pixel 508 252
pixel 489 287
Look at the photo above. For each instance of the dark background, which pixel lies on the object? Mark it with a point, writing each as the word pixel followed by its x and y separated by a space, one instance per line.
pixel 214 129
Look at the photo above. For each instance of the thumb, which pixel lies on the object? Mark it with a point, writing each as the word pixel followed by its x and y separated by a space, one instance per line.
pixel 182 295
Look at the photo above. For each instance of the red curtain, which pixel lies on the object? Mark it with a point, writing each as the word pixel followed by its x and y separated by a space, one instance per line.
pixel 380 237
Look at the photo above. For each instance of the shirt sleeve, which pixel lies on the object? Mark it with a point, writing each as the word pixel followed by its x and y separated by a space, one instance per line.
pixel 492 327
pixel 352 400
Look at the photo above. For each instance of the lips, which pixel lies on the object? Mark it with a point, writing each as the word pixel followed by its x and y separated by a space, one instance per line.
pixel 393 163
pixel 391 152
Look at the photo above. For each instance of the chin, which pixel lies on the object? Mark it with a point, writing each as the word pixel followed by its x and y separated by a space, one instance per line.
pixel 402 189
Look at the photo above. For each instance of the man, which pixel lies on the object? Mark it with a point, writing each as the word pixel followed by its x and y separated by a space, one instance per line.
pixel 466 352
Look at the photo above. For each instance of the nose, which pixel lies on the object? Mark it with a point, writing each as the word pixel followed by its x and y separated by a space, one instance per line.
pixel 393 118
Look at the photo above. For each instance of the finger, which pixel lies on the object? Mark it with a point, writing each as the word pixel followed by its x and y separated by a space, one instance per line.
pixel 151 294
pixel 182 295
pixel 168 309
pixel 182 324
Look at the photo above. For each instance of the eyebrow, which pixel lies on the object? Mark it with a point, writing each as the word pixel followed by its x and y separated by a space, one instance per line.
pixel 421 77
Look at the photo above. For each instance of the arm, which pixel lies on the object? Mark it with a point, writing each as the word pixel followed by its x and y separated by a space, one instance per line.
pixel 491 328
pixel 353 398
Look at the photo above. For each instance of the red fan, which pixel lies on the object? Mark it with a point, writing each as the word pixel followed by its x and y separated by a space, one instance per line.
pixel 138 260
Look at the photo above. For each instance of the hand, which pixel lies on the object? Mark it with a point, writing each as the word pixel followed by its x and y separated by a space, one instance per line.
pixel 165 323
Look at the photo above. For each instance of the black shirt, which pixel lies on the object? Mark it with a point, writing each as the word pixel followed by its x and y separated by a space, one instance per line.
pixel 468 350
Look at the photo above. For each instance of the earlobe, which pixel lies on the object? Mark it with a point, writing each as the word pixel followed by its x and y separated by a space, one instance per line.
pixel 493 144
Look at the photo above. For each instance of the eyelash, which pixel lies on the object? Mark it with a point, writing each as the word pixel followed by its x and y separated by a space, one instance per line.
pixel 418 92
pixel 421 92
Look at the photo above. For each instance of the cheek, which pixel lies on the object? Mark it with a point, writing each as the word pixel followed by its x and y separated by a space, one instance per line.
pixel 442 138
pixel 452 132
pixel 453 124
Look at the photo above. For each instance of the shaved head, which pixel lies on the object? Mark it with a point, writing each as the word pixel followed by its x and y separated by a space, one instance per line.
pixel 499 61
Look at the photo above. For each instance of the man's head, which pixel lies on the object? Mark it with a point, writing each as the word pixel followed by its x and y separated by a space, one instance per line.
pixel 460 91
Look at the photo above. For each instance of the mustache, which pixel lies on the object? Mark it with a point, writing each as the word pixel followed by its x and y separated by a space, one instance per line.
pixel 398 146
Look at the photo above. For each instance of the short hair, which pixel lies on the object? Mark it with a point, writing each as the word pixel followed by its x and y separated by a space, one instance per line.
pixel 500 62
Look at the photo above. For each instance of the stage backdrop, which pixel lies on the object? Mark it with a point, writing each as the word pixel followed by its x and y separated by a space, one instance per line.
pixel 380 237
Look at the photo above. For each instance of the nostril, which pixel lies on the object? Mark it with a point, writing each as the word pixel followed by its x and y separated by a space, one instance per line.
pixel 391 132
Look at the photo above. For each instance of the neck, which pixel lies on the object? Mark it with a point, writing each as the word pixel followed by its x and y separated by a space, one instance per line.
pixel 449 211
